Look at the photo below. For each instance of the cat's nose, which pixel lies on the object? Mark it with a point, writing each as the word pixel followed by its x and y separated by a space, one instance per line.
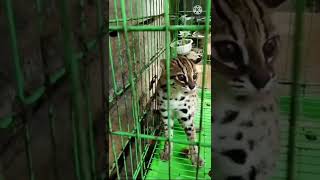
pixel 259 79
pixel 191 85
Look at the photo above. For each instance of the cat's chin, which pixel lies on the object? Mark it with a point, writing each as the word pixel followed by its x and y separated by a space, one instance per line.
pixel 257 95
pixel 189 91
pixel 193 90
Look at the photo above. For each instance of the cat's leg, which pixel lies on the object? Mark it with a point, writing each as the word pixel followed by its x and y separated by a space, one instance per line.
pixel 168 147
pixel 186 118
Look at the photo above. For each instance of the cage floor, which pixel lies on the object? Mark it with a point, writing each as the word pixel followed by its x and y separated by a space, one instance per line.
pixel 307 145
pixel 307 140
pixel 181 167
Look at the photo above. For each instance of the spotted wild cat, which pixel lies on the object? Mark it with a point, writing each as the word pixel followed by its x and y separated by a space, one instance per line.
pixel 183 102
pixel 245 128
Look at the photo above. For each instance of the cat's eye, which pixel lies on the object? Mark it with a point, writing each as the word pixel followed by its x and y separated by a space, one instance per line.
pixel 269 48
pixel 195 76
pixel 228 51
pixel 181 77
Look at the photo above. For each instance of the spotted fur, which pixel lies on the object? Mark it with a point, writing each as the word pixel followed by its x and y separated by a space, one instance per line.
pixel 245 127
pixel 183 102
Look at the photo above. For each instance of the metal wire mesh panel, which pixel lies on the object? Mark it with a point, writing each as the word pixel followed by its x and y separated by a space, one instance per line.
pixel 141 34
pixel 299 90
pixel 51 51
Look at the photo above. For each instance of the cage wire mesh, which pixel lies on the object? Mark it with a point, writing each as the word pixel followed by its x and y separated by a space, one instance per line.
pixel 51 86
pixel 298 70
pixel 140 35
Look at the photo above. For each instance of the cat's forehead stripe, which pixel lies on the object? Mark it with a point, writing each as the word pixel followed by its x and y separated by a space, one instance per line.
pixel 190 67
pixel 186 66
pixel 242 17
pixel 238 16
pixel 261 15
pixel 180 65
pixel 221 13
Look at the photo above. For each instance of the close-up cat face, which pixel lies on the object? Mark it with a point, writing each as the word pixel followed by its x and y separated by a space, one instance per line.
pixel 245 45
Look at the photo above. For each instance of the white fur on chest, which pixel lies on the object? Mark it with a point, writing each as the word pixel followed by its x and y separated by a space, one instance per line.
pixel 254 120
pixel 178 99
pixel 253 129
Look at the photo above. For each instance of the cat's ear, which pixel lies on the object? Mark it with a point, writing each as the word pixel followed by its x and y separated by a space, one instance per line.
pixel 272 3
pixel 196 58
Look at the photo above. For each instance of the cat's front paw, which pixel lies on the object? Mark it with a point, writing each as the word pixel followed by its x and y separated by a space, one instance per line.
pixel 165 155
pixel 195 159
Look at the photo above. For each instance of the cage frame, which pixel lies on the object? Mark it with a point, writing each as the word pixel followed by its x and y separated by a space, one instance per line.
pixel 167 28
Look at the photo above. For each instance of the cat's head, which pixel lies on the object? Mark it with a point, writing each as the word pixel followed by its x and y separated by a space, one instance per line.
pixel 183 73
pixel 245 44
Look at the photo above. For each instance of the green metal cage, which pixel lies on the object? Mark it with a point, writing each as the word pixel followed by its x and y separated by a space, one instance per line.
pixel 52 89
pixel 140 35
pixel 298 90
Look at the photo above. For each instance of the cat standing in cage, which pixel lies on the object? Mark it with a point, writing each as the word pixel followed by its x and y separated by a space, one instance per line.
pixel 183 102
pixel 245 128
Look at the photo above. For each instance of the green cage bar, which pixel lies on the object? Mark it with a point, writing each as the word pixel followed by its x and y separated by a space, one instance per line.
pixel 294 104
pixel 299 104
